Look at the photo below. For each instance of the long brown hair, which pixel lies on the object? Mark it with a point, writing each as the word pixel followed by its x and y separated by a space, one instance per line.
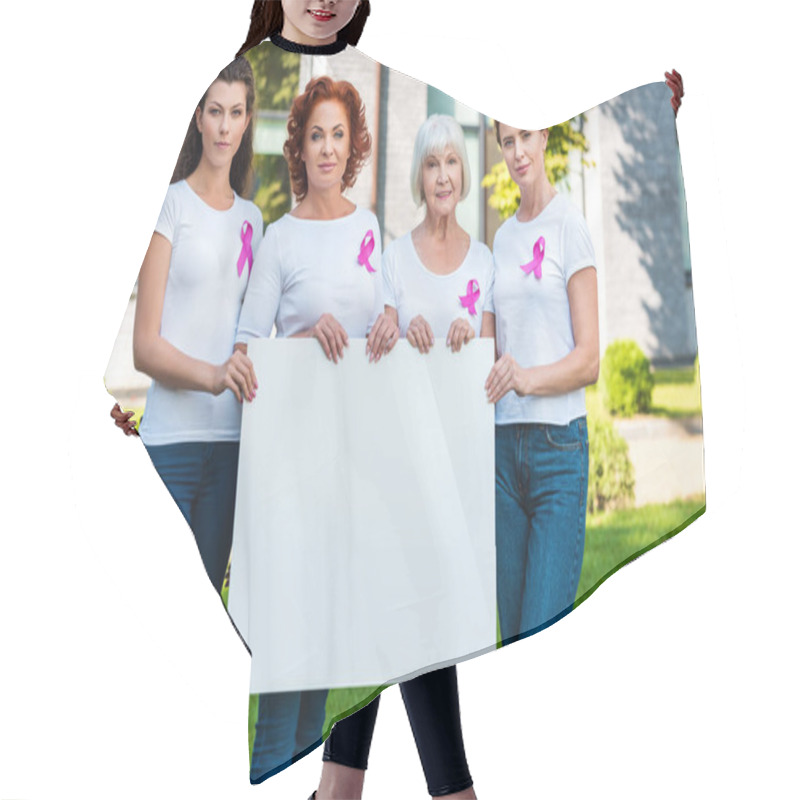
pixel 242 165
pixel 266 19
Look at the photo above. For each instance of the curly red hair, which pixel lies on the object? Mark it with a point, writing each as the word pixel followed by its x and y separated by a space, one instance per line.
pixel 317 90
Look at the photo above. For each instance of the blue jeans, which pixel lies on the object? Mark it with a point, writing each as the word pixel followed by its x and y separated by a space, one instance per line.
pixel 289 725
pixel 541 482
pixel 201 477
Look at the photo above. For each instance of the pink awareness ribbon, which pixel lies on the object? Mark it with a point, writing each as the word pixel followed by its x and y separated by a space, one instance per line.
pixel 471 297
pixel 367 246
pixel 247 249
pixel 535 266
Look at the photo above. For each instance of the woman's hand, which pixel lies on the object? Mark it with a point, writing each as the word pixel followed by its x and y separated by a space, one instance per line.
pixel 124 420
pixel 419 334
pixel 460 333
pixel 383 337
pixel 236 374
pixel 504 376
pixel 331 335
pixel 675 83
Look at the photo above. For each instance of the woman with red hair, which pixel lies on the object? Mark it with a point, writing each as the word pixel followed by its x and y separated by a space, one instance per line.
pixel 302 293
pixel 317 274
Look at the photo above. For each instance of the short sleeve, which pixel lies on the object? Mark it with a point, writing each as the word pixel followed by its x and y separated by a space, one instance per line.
pixel 488 299
pixel 389 275
pixel 168 218
pixel 488 304
pixel 576 244
pixel 263 294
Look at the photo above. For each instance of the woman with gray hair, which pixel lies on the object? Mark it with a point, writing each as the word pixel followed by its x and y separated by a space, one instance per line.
pixel 437 282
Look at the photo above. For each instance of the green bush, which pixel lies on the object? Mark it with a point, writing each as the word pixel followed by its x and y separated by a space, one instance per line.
pixel 611 478
pixel 626 379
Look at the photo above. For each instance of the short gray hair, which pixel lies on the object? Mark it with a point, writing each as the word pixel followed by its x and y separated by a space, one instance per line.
pixel 435 135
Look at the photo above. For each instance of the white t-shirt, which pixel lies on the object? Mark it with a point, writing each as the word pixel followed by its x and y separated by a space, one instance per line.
pixel 308 267
pixel 412 289
pixel 202 299
pixel 532 313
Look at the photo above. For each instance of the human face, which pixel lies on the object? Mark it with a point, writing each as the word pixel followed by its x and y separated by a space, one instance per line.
pixel 523 151
pixel 326 145
pixel 315 22
pixel 222 122
pixel 442 181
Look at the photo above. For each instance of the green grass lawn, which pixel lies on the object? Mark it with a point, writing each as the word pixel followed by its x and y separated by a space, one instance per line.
pixel 594 404
pixel 342 700
pixel 340 703
pixel 675 395
pixel 615 538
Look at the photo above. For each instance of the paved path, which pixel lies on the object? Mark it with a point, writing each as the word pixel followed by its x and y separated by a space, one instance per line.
pixel 667 457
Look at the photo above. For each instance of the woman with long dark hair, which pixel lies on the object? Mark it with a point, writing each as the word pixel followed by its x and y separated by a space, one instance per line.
pixel 190 291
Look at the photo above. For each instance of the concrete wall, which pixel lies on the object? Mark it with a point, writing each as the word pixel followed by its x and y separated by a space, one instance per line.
pixel 644 237
pixel 405 105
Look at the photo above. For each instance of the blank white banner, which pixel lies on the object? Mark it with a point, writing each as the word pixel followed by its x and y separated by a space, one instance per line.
pixel 363 548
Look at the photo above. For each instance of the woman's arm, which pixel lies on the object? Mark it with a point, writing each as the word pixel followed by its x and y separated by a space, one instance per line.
pixel 156 357
pixel 383 332
pixel 577 369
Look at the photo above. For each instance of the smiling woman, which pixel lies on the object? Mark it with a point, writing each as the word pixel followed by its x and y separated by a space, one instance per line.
pixel 327 138
pixel 437 282
pixel 307 297
pixel 317 22
pixel 306 22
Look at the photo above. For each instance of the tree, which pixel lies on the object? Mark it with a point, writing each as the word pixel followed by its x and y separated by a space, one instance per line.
pixel 563 138
pixel 277 78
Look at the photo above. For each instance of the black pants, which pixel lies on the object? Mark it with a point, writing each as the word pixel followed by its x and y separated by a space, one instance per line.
pixel 432 706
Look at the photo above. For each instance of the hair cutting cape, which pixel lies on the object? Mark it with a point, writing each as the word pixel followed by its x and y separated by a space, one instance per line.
pixel 365 536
